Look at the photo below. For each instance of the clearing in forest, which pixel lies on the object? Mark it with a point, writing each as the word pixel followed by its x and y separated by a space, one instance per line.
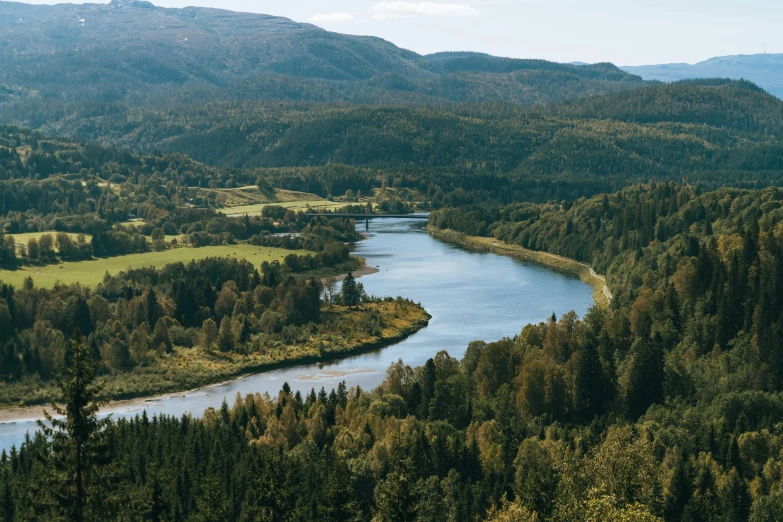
pixel 90 273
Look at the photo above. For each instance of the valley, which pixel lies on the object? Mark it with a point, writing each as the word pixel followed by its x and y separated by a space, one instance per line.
pixel 253 269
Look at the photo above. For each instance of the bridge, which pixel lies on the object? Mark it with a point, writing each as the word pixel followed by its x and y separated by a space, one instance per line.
pixel 374 216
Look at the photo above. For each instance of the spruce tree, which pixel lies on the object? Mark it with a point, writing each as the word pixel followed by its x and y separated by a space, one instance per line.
pixel 350 291
pixel 645 382
pixel 77 442
pixel 678 492
pixel 7 500
pixel 589 386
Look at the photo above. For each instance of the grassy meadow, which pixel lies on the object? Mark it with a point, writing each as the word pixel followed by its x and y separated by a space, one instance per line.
pixel 90 273
pixel 22 239
pixel 255 209
pixel 251 194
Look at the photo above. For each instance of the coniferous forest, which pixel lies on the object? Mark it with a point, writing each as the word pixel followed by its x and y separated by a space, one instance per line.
pixel 213 185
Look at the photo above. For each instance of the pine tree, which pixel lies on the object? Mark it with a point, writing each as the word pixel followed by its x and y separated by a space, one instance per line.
pixel 589 386
pixel 678 493
pixel 645 383
pixel 151 307
pixel 735 498
pixel 7 500
pixel 350 291
pixel 77 443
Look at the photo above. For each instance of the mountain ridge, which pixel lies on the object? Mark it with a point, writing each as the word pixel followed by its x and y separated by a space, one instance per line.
pixel 766 70
pixel 134 51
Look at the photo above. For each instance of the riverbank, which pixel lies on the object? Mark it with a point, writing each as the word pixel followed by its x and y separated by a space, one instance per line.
pixel 601 293
pixel 342 333
pixel 364 270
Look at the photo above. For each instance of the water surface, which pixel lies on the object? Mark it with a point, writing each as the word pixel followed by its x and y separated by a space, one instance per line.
pixel 469 295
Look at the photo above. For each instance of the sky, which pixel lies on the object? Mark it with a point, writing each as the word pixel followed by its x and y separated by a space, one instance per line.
pixel 624 32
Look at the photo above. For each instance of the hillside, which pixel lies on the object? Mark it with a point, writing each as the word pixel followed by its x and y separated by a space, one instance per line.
pixel 766 70
pixel 656 131
pixel 133 51
pixel 740 107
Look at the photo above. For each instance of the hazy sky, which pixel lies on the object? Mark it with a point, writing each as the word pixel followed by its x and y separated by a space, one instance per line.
pixel 625 32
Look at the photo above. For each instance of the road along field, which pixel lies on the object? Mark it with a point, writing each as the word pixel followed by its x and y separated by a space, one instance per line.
pixel 90 273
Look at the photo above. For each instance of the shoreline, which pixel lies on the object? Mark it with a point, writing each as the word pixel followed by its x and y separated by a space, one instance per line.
pixel 363 270
pixel 13 414
pixel 602 296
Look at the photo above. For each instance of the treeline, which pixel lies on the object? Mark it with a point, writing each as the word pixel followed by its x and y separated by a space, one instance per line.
pixel 31 155
pixel 196 228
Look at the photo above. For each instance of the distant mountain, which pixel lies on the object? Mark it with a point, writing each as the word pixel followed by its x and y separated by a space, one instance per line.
pixel 133 51
pixel 765 70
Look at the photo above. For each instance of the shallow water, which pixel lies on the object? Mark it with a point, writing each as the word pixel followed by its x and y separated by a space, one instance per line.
pixel 469 295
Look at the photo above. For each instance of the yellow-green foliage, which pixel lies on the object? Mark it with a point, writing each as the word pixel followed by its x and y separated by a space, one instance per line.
pixel 341 332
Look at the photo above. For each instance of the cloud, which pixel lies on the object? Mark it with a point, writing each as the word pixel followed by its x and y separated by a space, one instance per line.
pixel 331 17
pixel 396 10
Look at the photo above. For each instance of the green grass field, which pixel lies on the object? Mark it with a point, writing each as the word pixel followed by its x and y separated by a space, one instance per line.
pixel 22 239
pixel 251 195
pixel 90 273
pixel 129 225
pixel 254 210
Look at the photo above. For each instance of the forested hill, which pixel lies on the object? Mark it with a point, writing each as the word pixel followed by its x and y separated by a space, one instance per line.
pixel 134 51
pixel 739 106
pixel 720 133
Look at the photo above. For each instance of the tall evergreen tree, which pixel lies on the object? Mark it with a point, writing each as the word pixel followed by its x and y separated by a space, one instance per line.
pixel 350 291
pixel 589 385
pixel 645 383
pixel 77 443
pixel 678 493
pixel 7 500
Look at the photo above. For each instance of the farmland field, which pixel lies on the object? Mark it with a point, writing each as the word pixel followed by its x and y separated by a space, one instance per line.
pixel 90 273
pixel 22 239
pixel 253 210
pixel 251 194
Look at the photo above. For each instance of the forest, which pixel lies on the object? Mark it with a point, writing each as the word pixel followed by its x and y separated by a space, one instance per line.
pixel 662 406
pixel 707 133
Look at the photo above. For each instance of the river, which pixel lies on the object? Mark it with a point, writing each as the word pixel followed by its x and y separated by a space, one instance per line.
pixel 469 295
